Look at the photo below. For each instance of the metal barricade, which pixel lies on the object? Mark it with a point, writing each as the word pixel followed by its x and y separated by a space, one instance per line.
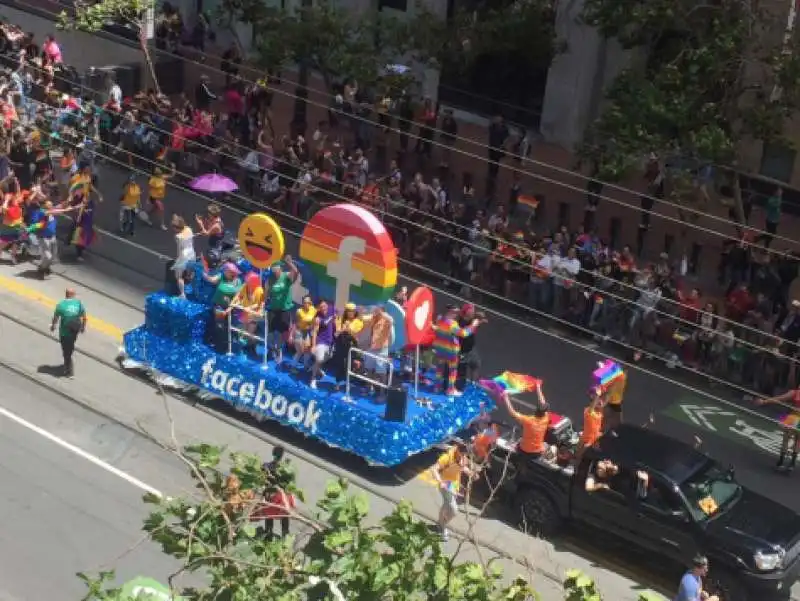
pixel 245 333
pixel 378 358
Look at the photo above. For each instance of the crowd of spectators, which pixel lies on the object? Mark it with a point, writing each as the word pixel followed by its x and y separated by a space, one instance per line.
pixel 490 244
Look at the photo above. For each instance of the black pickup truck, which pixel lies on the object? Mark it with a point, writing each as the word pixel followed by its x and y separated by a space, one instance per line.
pixel 691 505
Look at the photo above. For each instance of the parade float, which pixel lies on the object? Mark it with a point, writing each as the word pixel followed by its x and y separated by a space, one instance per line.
pixel 345 256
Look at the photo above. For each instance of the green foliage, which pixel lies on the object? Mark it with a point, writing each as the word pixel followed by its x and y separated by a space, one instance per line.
pixel 343 557
pixel 708 85
pixel 339 43
pixel 579 587
pixel 91 17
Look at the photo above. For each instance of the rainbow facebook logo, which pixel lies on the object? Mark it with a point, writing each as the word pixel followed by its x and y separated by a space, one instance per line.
pixel 349 256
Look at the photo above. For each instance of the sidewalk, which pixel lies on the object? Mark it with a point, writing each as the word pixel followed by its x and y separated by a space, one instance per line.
pixel 135 404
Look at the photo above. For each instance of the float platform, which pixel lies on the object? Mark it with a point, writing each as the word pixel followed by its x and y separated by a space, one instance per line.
pixel 172 343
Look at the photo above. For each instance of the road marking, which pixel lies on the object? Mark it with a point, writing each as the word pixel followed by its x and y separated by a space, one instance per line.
pixel 19 289
pixel 700 415
pixel 80 452
pixel 744 429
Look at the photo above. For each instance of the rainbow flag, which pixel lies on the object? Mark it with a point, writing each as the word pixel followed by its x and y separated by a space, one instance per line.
pixel 607 373
pixel 513 383
pixel 528 201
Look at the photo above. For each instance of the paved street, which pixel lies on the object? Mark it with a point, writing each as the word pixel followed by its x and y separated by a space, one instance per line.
pixel 60 513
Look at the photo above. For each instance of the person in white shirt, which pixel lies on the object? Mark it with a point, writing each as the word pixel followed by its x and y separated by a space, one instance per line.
pixel 541 279
pixel 646 303
pixel 564 274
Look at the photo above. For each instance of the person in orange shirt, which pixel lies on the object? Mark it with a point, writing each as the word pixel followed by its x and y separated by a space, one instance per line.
pixel 534 427
pixel 592 423
pixel 483 443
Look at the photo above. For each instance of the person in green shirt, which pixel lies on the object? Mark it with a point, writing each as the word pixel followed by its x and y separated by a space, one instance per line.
pixel 70 318
pixel 280 304
pixel 773 216
pixel 227 284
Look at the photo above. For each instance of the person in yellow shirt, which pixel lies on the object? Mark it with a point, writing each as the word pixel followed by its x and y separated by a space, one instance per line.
pixel 250 302
pixel 130 201
pixel 349 321
pixel 448 471
pixel 303 328
pixel 156 191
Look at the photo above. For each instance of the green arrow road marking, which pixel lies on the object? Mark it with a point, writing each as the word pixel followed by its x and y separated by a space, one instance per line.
pixel 736 427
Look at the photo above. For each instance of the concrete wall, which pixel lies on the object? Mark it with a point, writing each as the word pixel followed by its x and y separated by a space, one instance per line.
pixel 81 50
pixel 577 77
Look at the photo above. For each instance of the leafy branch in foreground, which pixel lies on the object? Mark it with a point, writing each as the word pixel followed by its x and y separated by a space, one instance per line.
pixel 336 554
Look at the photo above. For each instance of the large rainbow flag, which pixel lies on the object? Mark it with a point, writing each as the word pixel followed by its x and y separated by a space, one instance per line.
pixel 511 383
pixel 606 374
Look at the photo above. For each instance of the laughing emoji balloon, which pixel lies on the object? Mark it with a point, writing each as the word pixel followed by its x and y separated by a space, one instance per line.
pixel 261 240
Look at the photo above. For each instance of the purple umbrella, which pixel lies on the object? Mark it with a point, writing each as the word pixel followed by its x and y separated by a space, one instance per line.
pixel 213 183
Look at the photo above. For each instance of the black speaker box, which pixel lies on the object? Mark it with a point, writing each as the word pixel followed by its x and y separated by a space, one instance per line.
pixel 396 404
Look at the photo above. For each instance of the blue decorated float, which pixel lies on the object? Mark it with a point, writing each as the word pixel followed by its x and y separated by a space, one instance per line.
pixel 173 346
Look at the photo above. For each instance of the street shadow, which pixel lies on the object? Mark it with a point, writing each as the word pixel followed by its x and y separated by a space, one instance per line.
pixel 55 371
pixel 30 274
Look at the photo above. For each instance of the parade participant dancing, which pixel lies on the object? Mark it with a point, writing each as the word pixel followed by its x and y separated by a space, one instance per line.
pixel 446 347
pixel 322 340
pixel 43 226
pixel 250 301
pixel 303 328
pixel 534 427
pixel 791 426
pixel 13 223
pixel 469 360
pixel 592 422
pixel 279 292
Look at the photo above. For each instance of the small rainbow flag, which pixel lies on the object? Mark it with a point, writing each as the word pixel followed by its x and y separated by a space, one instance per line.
pixel 528 201
pixel 513 383
pixel 607 372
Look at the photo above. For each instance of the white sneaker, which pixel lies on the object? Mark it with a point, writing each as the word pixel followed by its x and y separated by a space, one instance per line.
pixel 313 384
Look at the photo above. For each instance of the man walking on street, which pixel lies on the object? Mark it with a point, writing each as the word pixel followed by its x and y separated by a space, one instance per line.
pixel 70 317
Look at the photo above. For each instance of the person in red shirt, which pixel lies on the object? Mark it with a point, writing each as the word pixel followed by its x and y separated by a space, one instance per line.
pixel 690 306
pixel 739 302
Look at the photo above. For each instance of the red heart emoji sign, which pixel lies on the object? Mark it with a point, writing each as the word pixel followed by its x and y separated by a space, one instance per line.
pixel 419 316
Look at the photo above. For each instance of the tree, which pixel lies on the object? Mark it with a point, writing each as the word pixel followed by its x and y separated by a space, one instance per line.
pixel 342 558
pixel 716 76
pixel 92 17
pixel 339 44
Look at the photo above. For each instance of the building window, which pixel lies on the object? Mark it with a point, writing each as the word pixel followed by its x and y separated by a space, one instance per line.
pixel 777 162
pixel 401 5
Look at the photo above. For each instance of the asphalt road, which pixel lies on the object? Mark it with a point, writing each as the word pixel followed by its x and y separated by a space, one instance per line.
pixel 727 424
pixel 60 513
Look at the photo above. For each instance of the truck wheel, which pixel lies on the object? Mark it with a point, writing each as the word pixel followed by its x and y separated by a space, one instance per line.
pixel 538 514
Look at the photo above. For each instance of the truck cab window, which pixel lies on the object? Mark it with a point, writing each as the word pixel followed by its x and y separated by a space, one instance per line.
pixel 660 498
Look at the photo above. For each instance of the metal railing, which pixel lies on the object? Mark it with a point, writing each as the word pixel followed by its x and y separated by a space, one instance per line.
pixel 379 359
pixel 243 332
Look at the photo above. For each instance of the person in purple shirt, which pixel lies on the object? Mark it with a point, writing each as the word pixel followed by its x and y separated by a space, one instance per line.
pixel 322 339
pixel 691 586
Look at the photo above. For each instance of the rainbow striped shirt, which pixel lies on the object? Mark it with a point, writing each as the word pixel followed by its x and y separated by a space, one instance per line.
pixel 447 335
